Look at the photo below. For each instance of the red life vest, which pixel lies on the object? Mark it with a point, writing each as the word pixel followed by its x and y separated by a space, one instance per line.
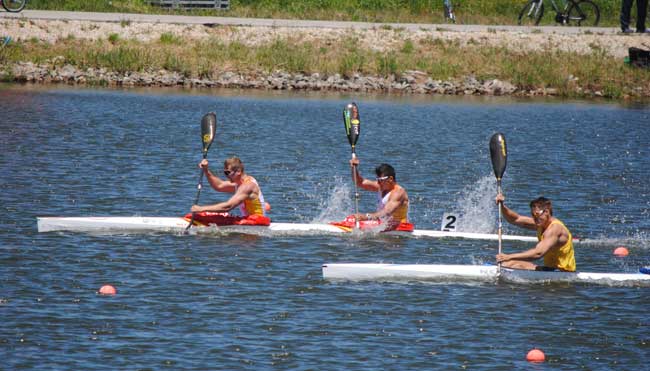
pixel 213 218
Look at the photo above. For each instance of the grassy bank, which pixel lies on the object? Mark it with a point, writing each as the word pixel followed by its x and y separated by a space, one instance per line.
pixel 498 12
pixel 572 75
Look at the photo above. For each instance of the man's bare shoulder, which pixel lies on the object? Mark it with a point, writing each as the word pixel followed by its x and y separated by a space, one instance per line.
pixel 556 230
pixel 399 193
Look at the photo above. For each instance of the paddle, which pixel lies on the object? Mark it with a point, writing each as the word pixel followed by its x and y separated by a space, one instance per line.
pixel 353 129
pixel 499 156
pixel 208 129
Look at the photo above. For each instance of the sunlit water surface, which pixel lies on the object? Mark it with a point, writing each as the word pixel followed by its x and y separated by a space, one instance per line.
pixel 214 301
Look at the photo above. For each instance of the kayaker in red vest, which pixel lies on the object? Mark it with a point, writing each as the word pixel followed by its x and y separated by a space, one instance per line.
pixel 555 241
pixel 247 195
pixel 393 201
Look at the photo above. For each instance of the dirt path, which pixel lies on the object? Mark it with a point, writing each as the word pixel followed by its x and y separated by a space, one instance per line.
pixel 51 26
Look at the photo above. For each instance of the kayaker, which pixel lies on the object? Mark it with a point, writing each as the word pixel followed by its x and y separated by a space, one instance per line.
pixel 247 196
pixel 555 241
pixel 393 200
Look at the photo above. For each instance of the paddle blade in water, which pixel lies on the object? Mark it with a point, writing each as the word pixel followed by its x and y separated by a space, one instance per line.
pixel 352 123
pixel 499 154
pixel 208 129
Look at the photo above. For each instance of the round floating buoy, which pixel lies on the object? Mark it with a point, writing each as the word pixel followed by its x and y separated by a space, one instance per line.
pixel 267 207
pixel 621 251
pixel 535 355
pixel 107 290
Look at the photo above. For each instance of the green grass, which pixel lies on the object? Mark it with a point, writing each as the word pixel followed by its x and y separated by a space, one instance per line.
pixel 497 12
pixel 440 59
pixel 169 38
pixel 113 38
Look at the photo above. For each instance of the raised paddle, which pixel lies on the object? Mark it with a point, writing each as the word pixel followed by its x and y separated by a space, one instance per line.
pixel 353 129
pixel 208 129
pixel 499 156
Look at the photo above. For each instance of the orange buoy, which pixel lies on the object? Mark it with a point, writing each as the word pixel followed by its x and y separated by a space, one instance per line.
pixel 535 355
pixel 107 290
pixel 267 207
pixel 621 251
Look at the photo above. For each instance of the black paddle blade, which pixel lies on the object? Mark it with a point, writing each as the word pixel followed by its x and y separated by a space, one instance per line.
pixel 352 123
pixel 499 154
pixel 208 129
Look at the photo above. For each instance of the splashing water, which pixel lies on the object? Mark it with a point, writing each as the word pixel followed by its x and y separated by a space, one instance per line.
pixel 338 205
pixel 477 208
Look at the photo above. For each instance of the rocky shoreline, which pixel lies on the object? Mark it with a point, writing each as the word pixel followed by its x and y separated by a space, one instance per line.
pixel 410 82
pixel 58 70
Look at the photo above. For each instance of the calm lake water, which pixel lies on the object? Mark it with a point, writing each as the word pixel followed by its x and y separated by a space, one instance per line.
pixel 231 302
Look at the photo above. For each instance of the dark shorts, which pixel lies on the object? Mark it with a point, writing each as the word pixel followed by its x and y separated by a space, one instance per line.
pixel 546 269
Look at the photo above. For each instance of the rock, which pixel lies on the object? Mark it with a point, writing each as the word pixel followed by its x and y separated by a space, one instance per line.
pixel 417 77
pixel 410 82
pixel 67 72
pixel 498 87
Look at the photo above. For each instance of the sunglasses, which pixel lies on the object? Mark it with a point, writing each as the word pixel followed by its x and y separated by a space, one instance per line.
pixel 228 172
pixel 382 178
pixel 539 212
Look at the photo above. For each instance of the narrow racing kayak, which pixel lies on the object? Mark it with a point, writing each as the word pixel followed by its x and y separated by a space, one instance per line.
pixel 131 224
pixel 472 273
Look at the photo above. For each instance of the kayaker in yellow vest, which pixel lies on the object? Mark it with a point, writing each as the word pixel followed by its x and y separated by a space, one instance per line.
pixel 555 241
pixel 247 193
pixel 393 201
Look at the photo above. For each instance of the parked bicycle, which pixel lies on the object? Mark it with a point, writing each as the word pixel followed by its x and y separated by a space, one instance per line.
pixel 13 6
pixel 580 12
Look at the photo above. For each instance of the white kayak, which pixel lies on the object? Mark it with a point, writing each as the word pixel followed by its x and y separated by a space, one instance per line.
pixel 472 273
pixel 170 224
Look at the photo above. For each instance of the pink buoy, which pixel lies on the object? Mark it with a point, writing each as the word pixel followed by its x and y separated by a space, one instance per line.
pixel 621 251
pixel 535 355
pixel 107 290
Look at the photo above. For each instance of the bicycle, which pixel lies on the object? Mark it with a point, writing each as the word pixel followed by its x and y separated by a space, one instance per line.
pixel 13 6
pixel 578 11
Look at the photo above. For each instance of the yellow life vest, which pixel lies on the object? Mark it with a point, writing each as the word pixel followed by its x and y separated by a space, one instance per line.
pixel 561 258
pixel 252 206
pixel 400 215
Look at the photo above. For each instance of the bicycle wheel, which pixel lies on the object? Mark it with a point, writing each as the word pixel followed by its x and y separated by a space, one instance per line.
pixel 531 13
pixel 14 6
pixel 583 13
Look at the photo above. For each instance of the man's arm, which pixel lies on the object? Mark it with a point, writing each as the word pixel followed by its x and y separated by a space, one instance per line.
pixel 368 185
pixel 513 217
pixel 215 182
pixel 551 239
pixel 240 196
pixel 396 199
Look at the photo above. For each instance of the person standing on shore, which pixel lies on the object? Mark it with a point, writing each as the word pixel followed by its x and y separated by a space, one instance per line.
pixel 449 10
pixel 641 14
pixel 555 241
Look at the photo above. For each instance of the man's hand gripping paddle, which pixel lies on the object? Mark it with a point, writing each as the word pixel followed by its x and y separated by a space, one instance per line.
pixel 208 129
pixel 499 157
pixel 353 129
